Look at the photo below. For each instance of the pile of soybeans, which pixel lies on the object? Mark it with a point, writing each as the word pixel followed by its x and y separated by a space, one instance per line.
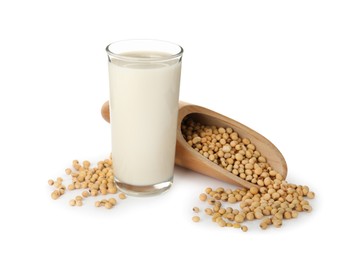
pixel 271 201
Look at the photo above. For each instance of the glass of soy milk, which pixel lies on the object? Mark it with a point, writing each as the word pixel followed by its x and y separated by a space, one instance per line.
pixel 144 78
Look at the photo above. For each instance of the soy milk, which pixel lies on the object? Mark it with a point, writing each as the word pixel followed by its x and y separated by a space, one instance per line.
pixel 143 110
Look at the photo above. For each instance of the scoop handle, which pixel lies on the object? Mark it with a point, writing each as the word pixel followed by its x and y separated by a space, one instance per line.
pixel 105 111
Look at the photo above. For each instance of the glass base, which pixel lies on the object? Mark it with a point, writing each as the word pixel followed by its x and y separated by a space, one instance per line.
pixel 147 190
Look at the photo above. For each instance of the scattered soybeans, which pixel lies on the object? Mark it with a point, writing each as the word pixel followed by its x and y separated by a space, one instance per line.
pixel 208 211
pixel 195 218
pixel 310 195
pixel 85 194
pixel 55 194
pixel 236 225
pixel 122 196
pixel 196 209
pixel 258 204
pixel 94 181
pixel 203 197
pixel 108 205
pixel 263 225
pixel 244 228
pixel 277 222
pixel 113 201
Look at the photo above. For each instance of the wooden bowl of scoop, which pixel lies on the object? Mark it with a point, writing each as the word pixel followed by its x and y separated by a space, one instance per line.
pixel 188 158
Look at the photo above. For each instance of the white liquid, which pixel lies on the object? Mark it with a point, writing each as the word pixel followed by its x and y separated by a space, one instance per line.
pixel 143 111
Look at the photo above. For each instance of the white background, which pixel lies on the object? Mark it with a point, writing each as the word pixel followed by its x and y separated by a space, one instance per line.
pixel 284 68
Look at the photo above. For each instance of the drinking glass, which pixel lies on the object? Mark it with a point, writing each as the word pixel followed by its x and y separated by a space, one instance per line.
pixel 144 77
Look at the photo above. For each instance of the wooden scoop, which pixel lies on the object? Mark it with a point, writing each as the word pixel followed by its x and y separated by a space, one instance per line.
pixel 187 157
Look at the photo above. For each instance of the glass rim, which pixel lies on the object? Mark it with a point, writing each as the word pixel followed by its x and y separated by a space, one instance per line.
pixel 172 54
